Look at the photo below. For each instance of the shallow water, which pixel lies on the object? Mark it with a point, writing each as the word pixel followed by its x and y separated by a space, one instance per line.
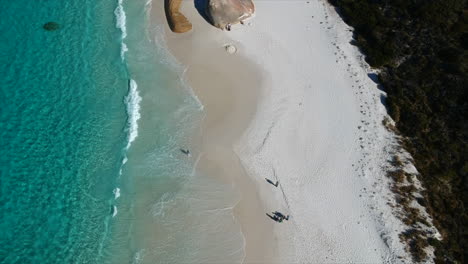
pixel 169 212
pixel 92 121
pixel 61 129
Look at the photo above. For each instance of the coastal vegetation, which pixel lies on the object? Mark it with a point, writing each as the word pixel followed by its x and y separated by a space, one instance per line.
pixel 420 46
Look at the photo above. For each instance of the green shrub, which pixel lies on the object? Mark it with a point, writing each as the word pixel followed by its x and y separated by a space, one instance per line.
pixel 421 48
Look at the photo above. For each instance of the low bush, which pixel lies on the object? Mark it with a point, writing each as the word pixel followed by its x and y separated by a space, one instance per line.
pixel 420 47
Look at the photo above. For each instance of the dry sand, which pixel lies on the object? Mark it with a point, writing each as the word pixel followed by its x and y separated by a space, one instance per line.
pixel 294 103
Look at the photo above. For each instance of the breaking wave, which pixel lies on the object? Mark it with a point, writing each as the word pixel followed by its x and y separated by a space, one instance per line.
pixel 121 23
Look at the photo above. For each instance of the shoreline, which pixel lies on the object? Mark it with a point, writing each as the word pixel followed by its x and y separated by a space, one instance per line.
pixel 228 86
pixel 312 119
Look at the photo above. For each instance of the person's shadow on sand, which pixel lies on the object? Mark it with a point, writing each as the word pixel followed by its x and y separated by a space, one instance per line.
pixel 272 183
pixel 274 217
pixel 278 217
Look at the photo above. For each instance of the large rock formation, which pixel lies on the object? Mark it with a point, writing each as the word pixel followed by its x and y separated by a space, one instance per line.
pixel 176 20
pixel 224 13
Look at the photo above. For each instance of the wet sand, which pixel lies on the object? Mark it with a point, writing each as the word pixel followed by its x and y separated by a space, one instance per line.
pixel 228 85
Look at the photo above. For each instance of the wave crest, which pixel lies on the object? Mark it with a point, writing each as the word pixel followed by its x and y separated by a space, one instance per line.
pixel 121 23
pixel 132 100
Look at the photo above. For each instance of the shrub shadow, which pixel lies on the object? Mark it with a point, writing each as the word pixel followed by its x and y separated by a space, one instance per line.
pixel 383 100
pixel 374 77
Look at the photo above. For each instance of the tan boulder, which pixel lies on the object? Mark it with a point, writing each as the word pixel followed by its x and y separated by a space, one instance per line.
pixel 176 20
pixel 224 13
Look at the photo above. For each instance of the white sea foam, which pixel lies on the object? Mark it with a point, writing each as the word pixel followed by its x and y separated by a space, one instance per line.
pixel 185 84
pixel 114 211
pixel 132 100
pixel 121 19
pixel 159 208
pixel 123 49
pixel 122 25
pixel 116 193
pixel 138 257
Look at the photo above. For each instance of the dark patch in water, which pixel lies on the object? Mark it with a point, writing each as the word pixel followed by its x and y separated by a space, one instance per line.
pixel 51 26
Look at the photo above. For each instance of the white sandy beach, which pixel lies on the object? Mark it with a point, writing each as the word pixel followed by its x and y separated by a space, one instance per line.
pixel 295 104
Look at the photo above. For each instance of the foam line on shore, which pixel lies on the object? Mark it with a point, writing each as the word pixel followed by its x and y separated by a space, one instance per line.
pixel 132 101
pixel 121 23
pixel 116 193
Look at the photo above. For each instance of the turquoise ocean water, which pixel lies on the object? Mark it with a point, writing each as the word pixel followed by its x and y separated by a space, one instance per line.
pixel 92 118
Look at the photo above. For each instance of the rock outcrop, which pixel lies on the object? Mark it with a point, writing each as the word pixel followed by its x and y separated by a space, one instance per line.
pixel 176 20
pixel 224 13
